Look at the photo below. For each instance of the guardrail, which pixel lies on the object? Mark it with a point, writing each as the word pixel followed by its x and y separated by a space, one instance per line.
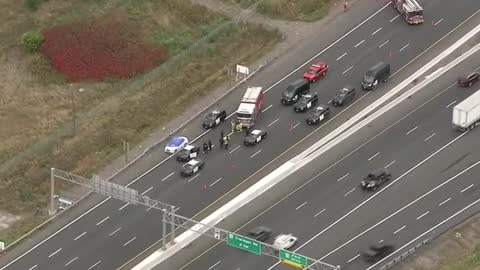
pixel 404 255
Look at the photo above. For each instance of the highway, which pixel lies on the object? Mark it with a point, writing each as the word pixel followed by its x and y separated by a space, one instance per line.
pixel 124 230
pixel 433 168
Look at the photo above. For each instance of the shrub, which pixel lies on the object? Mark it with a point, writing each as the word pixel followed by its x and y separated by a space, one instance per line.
pixel 33 4
pixel 32 41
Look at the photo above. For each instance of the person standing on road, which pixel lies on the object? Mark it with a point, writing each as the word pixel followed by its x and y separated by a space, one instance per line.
pixel 221 139
pixel 226 141
pixel 205 148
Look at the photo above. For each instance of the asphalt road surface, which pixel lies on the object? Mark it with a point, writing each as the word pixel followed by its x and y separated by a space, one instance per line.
pixel 113 233
pixel 433 168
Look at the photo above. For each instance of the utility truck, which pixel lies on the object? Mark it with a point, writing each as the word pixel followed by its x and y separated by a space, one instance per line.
pixel 250 107
pixel 410 10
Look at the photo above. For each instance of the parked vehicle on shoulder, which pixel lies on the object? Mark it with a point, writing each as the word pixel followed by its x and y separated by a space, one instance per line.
pixel 306 102
pixel 175 145
pixel 260 233
pixel 316 72
pixel 191 167
pixel 318 115
pixel 188 152
pixel 294 90
pixel 378 73
pixel 255 136
pixel 344 96
pixel 377 252
pixel 469 80
pixel 376 179
pixel 214 118
pixel 284 241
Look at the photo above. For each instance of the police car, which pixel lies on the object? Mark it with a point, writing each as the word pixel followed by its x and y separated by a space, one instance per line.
pixel 255 136
pixel 317 115
pixel 306 102
pixel 284 241
pixel 191 167
pixel 176 144
pixel 187 153
pixel 214 118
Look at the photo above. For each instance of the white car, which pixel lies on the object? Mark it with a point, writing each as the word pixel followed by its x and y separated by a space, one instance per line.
pixel 284 241
pixel 176 144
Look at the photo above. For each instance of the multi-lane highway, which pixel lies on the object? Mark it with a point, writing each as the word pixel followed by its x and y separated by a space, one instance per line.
pixel 433 168
pixel 113 233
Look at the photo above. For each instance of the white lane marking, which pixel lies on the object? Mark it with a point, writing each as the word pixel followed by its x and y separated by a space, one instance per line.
pixel 294 126
pixel 191 179
pixel 439 21
pixel 166 177
pixel 434 73
pixel 71 261
pixel 33 267
pixel 359 43
pixel 234 149
pixel 323 210
pixel 445 201
pixel 404 47
pixel 383 44
pixel 330 101
pixel 256 153
pixel 274 121
pixel 148 209
pixel 422 215
pixel 114 232
pixel 451 103
pixel 394 18
pixel 412 130
pixel 390 164
pixel 380 241
pixel 101 221
pixel 400 229
pixel 121 208
pixel 343 177
pixel 93 266
pixel 129 241
pixel 213 266
pixel 143 193
pixel 268 107
pixel 376 31
pixel 341 56
pixel 347 70
pixel 352 259
pixel 467 188
pixel 79 236
pixel 429 137
pixel 300 206
pixel 216 181
pixel 374 156
pixel 346 194
pixel 55 252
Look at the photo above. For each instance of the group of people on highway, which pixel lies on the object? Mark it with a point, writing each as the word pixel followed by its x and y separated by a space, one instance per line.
pixel 225 139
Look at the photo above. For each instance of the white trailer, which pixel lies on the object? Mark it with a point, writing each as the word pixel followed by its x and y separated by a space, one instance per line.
pixel 466 115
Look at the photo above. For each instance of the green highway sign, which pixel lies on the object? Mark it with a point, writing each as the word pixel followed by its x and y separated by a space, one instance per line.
pixel 293 258
pixel 244 243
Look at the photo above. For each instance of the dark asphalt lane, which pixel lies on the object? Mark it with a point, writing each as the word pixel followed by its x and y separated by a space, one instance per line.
pixel 326 192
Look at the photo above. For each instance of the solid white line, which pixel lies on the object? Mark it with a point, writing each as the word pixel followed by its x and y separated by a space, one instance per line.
pixel 97 263
pixel 103 220
pixel 216 181
pixel 33 267
pixel 256 153
pixel 121 208
pixel 356 256
pixel 429 137
pixel 359 43
pixel 166 177
pixel 143 193
pixel 234 149
pixel 451 103
pixel 372 157
pixel 390 164
pixel 383 44
pixel 347 70
pixel 404 47
pixel 79 236
pixel 53 254
pixel 269 106
pixel 114 232
pixel 300 206
pixel 394 18
pixel 445 201
pixel 422 215
pixel 439 21
pixel 346 194
pixel 343 177
pixel 129 241
pixel 412 130
pixel 376 31
pixel 400 229
pixel 274 121
pixel 191 179
pixel 465 189
pixel 341 56
pixel 71 261
pixel 211 267
pixel 320 212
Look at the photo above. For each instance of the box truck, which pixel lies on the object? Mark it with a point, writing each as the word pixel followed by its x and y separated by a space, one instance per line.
pixel 466 115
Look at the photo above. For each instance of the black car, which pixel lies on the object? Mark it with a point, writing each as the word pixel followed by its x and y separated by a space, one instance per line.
pixel 375 179
pixel 255 136
pixel 319 114
pixel 214 118
pixel 191 167
pixel 188 152
pixel 377 252
pixel 344 96
pixel 378 73
pixel 260 233
pixel 469 79
pixel 294 90
pixel 306 102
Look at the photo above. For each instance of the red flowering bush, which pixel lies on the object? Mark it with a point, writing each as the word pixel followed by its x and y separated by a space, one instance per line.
pixel 99 49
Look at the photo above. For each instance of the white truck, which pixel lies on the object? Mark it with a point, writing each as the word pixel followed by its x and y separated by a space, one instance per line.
pixel 466 115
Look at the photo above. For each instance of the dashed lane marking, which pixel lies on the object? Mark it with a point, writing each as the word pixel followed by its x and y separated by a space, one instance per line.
pixel 256 153
pixel 437 22
pixel 79 236
pixel 193 178
pixel 166 177
pixel 394 18
pixel 93 266
pixel 376 31
pixel 341 56
pixel 343 177
pixel 444 202
pixel 114 232
pixel 352 259
pixel 143 193
pixel 213 266
pixel 129 241
pixel 234 149
pixel 405 46
pixel 400 229
pixel 274 121
pixel 346 194
pixel 383 44
pixel 429 137
pixel 216 181
pixel 103 220
pixel 347 70
pixel 55 252
pixel 422 215
pixel 374 156
pixel 33 267
pixel 121 208
pixel 317 214
pixel 300 206
pixel 71 261
pixel 390 164
pixel 467 188
pixel 412 130
pixel 360 43
pixel 451 103
pixel 268 107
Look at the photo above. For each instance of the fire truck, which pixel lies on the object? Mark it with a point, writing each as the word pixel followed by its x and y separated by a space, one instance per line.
pixel 411 10
pixel 250 107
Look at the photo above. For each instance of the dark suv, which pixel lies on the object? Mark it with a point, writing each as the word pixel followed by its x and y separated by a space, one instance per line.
pixel 378 73
pixel 377 252
pixel 375 179
pixel 344 96
pixel 261 233
pixel 294 90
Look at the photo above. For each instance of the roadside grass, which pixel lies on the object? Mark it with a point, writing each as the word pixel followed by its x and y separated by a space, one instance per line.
pixel 294 10
pixel 36 102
